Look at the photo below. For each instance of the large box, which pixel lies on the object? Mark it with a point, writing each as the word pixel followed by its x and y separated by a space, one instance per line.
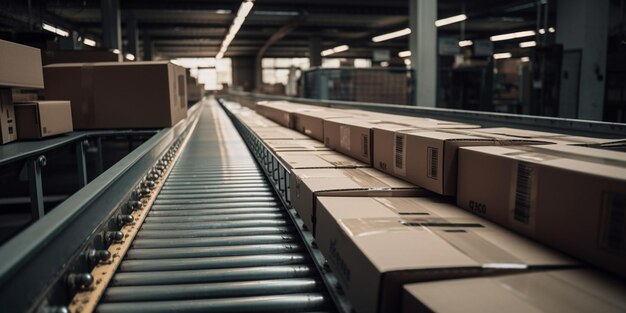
pixel 8 129
pixel 278 132
pixel 281 112
pixel 283 145
pixel 374 250
pixel 308 184
pixel 41 119
pixel 311 123
pixel 573 290
pixel 571 198
pixel 20 66
pixel 504 132
pixel 120 95
pixel 317 159
pixel 427 158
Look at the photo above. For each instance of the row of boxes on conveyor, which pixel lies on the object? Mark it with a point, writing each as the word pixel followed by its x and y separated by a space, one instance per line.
pixel 101 95
pixel 377 191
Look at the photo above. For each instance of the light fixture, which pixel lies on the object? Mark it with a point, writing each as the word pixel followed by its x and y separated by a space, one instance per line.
pixel 53 29
pixel 407 61
pixel 89 42
pixel 404 54
pixel 527 44
pixel 542 31
pixel 524 59
pixel 551 29
pixel 509 36
pixel 384 64
pixel 336 49
pixel 244 10
pixel 504 55
pixel 396 34
pixel 116 51
pixel 465 43
pixel 450 20
pixel 130 57
pixel 222 11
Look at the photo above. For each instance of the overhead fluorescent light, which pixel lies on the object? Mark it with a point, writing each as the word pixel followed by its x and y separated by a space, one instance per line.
pixel 407 61
pixel 89 42
pixel 336 49
pixel 551 29
pixel 510 36
pixel 465 43
pixel 504 55
pixel 222 11
pixel 527 44
pixel 524 59
pixel 116 51
pixel 404 54
pixel 130 57
pixel 384 64
pixel 244 10
pixel 542 31
pixel 450 20
pixel 57 30
pixel 396 34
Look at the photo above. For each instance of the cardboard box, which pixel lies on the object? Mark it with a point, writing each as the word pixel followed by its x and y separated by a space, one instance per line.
pixel 20 66
pixel 308 184
pixel 251 119
pixel 279 132
pixel 374 251
pixel 428 158
pixel 8 129
pixel 311 123
pixel 41 119
pixel 573 290
pixel 521 133
pixel 571 198
pixel 79 56
pixel 282 145
pixel 281 111
pixel 120 95
pixel 317 159
pixel 503 132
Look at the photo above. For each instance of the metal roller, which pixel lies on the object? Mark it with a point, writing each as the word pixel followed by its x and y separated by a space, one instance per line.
pixel 214 206
pixel 212 241
pixel 214 200
pixel 194 252
pixel 214 225
pixel 215 217
pixel 213 262
pixel 215 211
pixel 220 232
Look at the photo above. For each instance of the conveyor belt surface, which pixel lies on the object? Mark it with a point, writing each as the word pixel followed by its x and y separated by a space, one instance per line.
pixel 216 238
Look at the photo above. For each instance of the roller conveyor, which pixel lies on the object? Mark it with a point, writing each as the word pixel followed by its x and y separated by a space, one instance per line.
pixel 216 238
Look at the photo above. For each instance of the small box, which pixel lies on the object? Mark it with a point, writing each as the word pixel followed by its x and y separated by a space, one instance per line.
pixel 568 197
pixel 573 290
pixel 308 184
pixel 311 123
pixel 120 95
pixel 374 250
pixel 428 158
pixel 41 119
pixel 8 129
pixel 20 66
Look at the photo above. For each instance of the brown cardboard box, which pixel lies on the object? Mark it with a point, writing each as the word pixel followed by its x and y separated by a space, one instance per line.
pixel 311 123
pixel 374 251
pixel 281 111
pixel 249 117
pixel 79 56
pixel 282 145
pixel 120 95
pixel 317 159
pixel 308 184
pixel 41 119
pixel 503 132
pixel 20 66
pixel 515 132
pixel 574 290
pixel 428 158
pixel 279 132
pixel 571 198
pixel 8 129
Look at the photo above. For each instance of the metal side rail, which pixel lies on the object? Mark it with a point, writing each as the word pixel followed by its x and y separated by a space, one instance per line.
pixel 278 175
pixel 216 238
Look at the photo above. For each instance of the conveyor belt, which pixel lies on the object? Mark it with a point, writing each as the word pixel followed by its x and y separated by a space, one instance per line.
pixel 216 238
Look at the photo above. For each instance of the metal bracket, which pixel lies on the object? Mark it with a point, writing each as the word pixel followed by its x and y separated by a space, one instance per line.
pixel 35 188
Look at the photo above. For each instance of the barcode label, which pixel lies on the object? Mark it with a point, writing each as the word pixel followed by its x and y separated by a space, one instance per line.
pixel 613 223
pixel 433 162
pixel 365 139
pixel 523 188
pixel 399 151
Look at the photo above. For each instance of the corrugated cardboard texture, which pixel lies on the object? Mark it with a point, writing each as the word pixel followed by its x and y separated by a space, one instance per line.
pixel 279 132
pixel 120 95
pixel 8 129
pixel 560 199
pixel 43 119
pixel 374 256
pixel 350 137
pixel 20 66
pixel 428 158
pixel 307 184
pixel 317 159
pixel 552 291
pixel 282 145
pixel 281 111
pixel 311 123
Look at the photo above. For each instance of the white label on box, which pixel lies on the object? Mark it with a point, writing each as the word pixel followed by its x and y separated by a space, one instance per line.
pixel 344 137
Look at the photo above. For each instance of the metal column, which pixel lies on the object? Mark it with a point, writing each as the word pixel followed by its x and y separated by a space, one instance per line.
pixel 111 24
pixel 423 44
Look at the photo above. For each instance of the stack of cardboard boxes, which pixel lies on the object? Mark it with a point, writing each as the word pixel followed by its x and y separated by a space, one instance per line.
pixel 382 210
pixel 20 67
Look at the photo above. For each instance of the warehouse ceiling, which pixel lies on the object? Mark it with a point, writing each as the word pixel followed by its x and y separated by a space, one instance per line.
pixel 194 28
